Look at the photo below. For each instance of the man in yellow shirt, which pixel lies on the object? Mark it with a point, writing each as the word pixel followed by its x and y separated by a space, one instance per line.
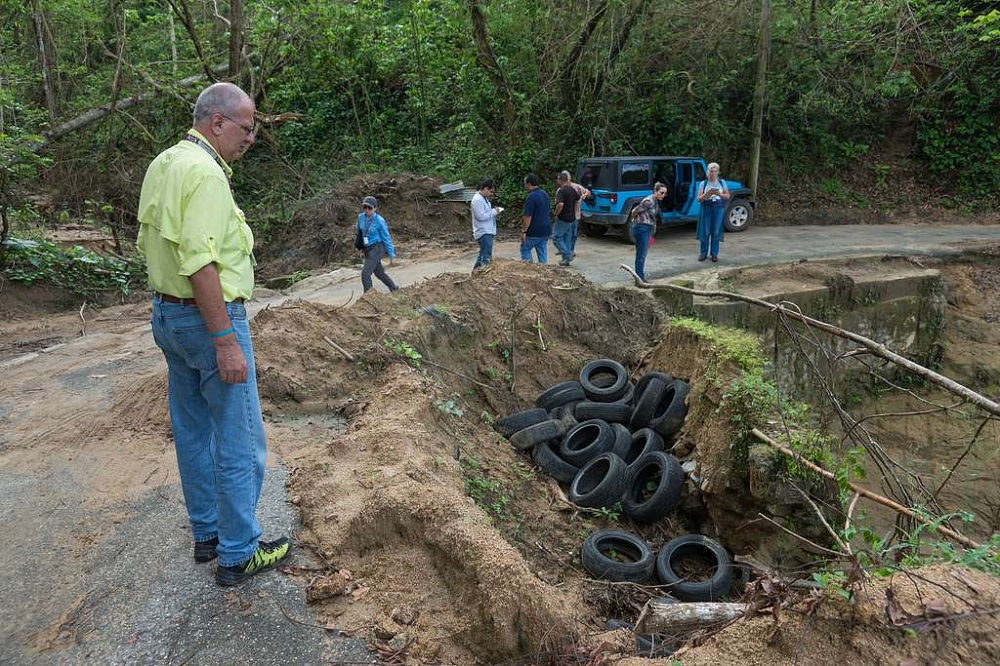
pixel 199 256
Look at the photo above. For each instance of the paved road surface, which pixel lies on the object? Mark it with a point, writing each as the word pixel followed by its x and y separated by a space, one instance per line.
pixel 675 252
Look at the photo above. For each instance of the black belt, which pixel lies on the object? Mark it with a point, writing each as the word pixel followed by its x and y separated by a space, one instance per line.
pixel 167 298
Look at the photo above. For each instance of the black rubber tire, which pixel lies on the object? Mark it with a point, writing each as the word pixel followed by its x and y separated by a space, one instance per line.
pixel 712 589
pixel 553 429
pixel 592 386
pixel 566 414
pixel 600 483
pixel 593 230
pixel 546 457
pixel 628 397
pixel 668 417
pixel 641 442
pixel 560 394
pixel 585 441
pixel 656 467
pixel 649 646
pixel 508 425
pixel 647 402
pixel 643 382
pixel 739 215
pixel 597 562
pixel 623 438
pixel 612 412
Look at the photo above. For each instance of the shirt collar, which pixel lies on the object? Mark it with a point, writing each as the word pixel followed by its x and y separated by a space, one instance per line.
pixel 214 153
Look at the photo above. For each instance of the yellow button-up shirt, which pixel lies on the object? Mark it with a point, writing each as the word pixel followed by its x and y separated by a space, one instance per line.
pixel 189 219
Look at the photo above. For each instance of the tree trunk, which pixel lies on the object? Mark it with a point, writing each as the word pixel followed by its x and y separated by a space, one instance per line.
pixel 236 21
pixel 568 70
pixel 183 12
pixel 46 59
pixel 617 46
pixel 487 59
pixel 669 617
pixel 763 54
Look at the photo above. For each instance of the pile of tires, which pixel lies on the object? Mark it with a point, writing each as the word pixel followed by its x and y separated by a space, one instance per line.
pixel 621 556
pixel 607 438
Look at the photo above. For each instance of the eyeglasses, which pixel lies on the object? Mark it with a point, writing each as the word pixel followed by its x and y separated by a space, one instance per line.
pixel 249 129
pixel 367 207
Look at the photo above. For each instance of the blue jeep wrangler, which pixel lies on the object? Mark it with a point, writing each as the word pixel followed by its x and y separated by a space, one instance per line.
pixel 618 184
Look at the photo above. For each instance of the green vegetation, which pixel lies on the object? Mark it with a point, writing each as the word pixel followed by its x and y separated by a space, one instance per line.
pixel 490 495
pixel 734 345
pixel 405 351
pixel 75 269
pixel 456 89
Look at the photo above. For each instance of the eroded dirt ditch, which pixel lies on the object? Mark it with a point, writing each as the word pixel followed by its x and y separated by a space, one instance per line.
pixel 442 541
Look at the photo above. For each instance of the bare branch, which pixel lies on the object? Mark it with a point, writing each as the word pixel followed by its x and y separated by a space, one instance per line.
pixel 879 499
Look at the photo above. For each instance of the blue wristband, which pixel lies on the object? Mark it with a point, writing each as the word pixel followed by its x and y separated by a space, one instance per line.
pixel 222 334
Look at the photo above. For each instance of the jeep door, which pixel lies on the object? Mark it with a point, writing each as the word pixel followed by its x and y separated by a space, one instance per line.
pixel 684 205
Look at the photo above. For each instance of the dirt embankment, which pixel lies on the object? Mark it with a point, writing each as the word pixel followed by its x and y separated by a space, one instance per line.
pixel 439 536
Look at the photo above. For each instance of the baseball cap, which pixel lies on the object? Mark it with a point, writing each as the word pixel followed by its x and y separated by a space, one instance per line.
pixel 370 201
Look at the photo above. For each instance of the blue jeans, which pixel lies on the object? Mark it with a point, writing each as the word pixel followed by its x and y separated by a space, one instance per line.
pixel 562 238
pixel 539 244
pixel 576 234
pixel 218 430
pixel 641 233
pixel 710 235
pixel 485 251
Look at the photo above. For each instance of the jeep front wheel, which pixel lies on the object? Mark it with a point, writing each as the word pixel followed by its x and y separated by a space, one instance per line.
pixel 739 215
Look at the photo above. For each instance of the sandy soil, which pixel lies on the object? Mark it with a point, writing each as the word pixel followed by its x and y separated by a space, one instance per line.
pixel 440 542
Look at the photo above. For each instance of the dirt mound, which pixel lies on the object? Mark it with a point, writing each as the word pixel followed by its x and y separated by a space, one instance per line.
pixel 939 615
pixel 322 229
pixel 387 498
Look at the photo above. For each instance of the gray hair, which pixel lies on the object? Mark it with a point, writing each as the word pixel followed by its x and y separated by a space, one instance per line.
pixel 564 176
pixel 712 164
pixel 218 98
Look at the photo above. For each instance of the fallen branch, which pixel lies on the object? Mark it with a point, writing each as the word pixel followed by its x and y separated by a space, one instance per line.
pixel 343 351
pixel 639 282
pixel 875 348
pixel 878 499
pixel 538 329
pixel 669 617
pixel 477 383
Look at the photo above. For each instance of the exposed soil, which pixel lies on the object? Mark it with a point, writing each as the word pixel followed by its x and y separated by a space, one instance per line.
pixel 440 540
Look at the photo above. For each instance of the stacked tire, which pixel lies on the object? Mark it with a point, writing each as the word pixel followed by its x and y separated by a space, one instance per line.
pixel 607 438
pixel 621 556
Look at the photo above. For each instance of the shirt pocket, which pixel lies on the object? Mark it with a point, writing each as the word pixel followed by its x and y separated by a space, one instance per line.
pixel 245 233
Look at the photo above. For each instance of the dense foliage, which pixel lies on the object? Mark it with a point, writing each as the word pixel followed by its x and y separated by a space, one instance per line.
pixel 468 88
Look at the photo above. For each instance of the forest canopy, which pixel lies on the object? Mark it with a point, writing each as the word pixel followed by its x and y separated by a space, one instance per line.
pixel 91 91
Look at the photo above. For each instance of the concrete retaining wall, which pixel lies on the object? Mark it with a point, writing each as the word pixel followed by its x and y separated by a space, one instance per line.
pixel 903 312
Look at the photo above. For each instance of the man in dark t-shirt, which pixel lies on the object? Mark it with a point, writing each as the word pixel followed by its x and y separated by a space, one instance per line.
pixel 562 234
pixel 536 228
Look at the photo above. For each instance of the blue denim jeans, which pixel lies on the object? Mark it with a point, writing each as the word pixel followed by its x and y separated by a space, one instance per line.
pixel 710 236
pixel 641 233
pixel 537 243
pixel 485 251
pixel 562 238
pixel 576 234
pixel 218 430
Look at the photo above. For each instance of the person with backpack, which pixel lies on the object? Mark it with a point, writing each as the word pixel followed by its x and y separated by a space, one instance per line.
pixel 712 195
pixel 372 240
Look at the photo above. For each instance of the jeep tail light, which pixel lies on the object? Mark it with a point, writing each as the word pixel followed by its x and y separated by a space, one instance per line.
pixel 614 198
